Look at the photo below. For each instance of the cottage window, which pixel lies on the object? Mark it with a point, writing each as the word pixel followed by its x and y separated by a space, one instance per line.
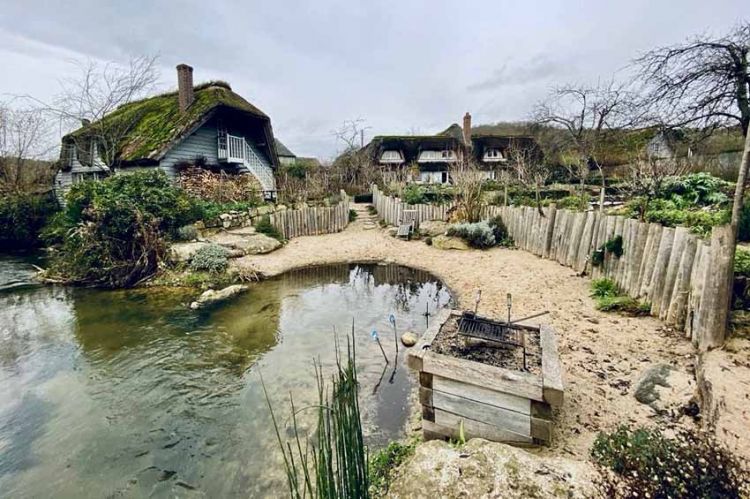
pixel 391 157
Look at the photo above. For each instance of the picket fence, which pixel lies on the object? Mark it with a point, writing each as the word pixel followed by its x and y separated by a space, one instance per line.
pixel 390 209
pixel 312 221
pixel 685 278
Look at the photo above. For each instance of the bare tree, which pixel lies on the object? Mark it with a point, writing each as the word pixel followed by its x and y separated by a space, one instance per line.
pixel 25 138
pixel 354 166
pixel 585 114
pixel 531 170
pixel 646 177
pixel 704 83
pixel 95 92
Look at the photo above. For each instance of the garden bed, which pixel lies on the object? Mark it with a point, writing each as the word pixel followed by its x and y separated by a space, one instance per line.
pixel 470 388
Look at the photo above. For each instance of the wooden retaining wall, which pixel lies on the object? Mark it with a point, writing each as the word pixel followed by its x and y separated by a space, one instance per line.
pixel 683 277
pixel 312 221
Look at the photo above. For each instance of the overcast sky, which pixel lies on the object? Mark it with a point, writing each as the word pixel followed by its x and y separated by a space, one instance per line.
pixel 403 66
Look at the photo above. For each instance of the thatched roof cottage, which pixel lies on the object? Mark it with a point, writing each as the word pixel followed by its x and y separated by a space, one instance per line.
pixel 206 124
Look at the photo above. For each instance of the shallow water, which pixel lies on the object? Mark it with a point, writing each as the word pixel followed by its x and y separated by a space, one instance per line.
pixel 131 394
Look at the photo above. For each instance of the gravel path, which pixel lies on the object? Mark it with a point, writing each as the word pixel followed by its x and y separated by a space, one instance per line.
pixel 603 354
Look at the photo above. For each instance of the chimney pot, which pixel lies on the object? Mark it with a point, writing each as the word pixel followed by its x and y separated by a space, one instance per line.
pixel 467 129
pixel 185 93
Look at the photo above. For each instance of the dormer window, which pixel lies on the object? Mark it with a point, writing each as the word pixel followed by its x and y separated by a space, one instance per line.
pixel 439 156
pixel 493 154
pixel 391 156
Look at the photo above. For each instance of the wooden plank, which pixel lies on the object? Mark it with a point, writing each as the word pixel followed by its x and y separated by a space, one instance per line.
pixel 677 309
pixel 714 307
pixel 552 381
pixel 636 259
pixel 660 269
pixel 416 353
pixel 480 394
pixel 496 416
pixel 448 425
pixel 678 247
pixel 476 373
pixel 649 259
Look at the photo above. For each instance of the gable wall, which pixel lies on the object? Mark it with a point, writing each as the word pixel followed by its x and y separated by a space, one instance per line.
pixel 202 142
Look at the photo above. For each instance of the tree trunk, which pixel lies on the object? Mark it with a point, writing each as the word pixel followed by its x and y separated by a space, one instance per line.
pixel 603 190
pixel 739 193
pixel 538 200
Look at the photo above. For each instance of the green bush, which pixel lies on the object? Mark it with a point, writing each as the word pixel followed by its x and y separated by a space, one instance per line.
pixel 742 262
pixel 477 235
pixel 112 233
pixel 352 215
pixel 187 233
pixel 426 194
pixel 577 203
pixel 690 465
pixel 500 231
pixel 609 298
pixel 264 226
pixel 210 210
pixel 212 258
pixel 743 229
pixel 614 246
pixel 22 217
pixel 604 287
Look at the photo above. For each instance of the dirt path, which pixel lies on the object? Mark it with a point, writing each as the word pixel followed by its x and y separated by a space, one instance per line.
pixel 603 354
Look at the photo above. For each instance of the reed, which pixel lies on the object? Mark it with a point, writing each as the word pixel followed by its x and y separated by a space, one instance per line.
pixel 333 463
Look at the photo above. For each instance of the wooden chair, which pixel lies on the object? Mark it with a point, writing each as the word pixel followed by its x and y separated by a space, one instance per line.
pixel 407 224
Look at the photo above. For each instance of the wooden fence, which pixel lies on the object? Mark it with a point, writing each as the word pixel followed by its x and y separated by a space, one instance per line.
pixel 312 221
pixel 390 209
pixel 682 276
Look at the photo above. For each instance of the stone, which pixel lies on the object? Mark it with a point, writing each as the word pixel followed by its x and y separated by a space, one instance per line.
pixel 247 243
pixel 433 228
pixel 664 388
pixel 225 216
pixel 487 469
pixel 392 231
pixel 183 252
pixel 211 297
pixel 449 243
pixel 409 339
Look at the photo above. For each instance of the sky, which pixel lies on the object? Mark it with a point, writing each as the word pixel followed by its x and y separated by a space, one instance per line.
pixel 400 66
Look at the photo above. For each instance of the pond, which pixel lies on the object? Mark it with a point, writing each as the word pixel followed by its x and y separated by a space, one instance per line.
pixel 132 394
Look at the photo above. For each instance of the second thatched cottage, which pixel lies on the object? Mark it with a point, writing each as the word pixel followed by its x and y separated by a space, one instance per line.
pixel 207 125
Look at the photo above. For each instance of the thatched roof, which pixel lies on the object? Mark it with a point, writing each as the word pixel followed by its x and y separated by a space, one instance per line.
pixel 151 126
pixel 283 151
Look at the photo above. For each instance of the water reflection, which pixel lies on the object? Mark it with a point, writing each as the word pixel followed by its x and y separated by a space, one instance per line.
pixel 130 393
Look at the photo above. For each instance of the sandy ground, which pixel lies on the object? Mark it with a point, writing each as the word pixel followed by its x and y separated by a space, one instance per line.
pixel 603 354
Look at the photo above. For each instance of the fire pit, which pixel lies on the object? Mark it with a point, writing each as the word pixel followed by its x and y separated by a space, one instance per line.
pixel 492 379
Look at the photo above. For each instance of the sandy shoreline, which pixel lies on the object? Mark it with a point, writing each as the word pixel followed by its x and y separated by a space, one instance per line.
pixel 603 354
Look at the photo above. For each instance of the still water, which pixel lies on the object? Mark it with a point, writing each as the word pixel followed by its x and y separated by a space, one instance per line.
pixel 132 394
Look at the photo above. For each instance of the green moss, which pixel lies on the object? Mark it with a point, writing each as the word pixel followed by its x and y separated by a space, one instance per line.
pixel 383 463
pixel 148 125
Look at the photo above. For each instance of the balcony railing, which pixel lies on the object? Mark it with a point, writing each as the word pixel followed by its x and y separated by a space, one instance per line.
pixel 233 149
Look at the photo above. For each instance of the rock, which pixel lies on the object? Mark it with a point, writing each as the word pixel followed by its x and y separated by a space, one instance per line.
pixel 264 210
pixel 488 469
pixel 664 388
pixel 212 297
pixel 433 228
pixel 392 231
pixel 409 339
pixel 246 243
pixel 243 231
pixel 183 252
pixel 225 216
pixel 449 243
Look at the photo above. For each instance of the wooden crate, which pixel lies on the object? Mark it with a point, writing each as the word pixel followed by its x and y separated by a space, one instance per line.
pixel 490 402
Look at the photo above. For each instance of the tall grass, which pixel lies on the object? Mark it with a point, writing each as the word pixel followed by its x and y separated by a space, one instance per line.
pixel 333 463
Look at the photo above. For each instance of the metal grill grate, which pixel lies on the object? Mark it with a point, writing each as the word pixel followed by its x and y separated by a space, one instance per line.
pixel 499 332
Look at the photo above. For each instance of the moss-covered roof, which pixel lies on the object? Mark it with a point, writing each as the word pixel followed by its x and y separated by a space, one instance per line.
pixel 153 124
pixel 283 150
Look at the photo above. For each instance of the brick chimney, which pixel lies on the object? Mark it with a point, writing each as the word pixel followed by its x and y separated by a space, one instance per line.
pixel 185 86
pixel 467 129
